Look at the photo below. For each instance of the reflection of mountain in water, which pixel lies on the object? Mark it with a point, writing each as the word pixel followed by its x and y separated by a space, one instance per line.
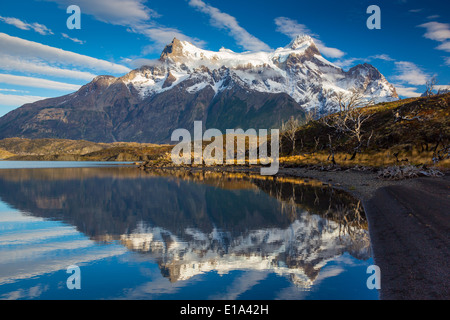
pixel 191 223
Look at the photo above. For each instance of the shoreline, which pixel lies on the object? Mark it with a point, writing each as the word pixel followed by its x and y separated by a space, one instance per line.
pixel 409 226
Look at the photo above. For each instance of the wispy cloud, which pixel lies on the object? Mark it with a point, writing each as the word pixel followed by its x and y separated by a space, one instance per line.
pixel 13 90
pixel 410 73
pixel 229 23
pixel 12 63
pixel 27 50
pixel 444 46
pixel 292 28
pixel 135 16
pixel 73 39
pixel 345 63
pixel 409 92
pixel 17 100
pixel 39 28
pixel 442 87
pixel 436 31
pixel 328 51
pixel 37 83
pixel 382 56
pixel 118 12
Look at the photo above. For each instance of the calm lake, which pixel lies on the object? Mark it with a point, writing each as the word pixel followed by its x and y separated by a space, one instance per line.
pixel 177 235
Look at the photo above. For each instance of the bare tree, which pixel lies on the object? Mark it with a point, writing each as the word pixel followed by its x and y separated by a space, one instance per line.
pixel 331 150
pixel 350 118
pixel 289 130
pixel 430 85
pixel 311 115
pixel 316 143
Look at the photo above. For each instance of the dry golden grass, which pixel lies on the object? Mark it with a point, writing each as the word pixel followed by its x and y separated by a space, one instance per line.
pixel 5 154
pixel 369 159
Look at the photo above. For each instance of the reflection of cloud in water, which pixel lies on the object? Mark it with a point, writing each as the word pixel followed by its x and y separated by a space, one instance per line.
pixel 155 288
pixel 37 247
pixel 30 293
pixel 240 285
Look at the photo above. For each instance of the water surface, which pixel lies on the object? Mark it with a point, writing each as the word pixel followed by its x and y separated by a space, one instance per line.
pixel 177 235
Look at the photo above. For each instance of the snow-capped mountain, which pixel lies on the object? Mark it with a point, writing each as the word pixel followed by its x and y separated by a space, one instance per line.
pixel 297 69
pixel 225 89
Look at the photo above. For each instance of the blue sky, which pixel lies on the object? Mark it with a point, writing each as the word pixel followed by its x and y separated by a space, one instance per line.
pixel 40 57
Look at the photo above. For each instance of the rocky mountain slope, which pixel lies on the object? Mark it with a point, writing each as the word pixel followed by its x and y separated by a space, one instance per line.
pixel 224 89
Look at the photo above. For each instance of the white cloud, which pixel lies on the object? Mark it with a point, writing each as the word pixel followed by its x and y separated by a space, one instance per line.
pixel 25 49
pixel 439 32
pixel 134 15
pixel 436 30
pixel 227 22
pixel 11 63
pixel 346 62
pixel 327 51
pixel 13 90
pixel 73 39
pixel 118 12
pixel 409 92
pixel 37 83
pixel 16 100
pixel 139 62
pixel 383 56
pixel 410 73
pixel 442 87
pixel 39 28
pixel 445 46
pixel 292 28
pixel 351 61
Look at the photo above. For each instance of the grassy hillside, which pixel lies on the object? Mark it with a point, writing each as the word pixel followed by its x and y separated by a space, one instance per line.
pixel 77 150
pixel 406 131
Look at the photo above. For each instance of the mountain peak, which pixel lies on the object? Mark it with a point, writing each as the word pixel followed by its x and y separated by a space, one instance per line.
pixel 172 50
pixel 302 40
pixel 366 70
pixel 180 50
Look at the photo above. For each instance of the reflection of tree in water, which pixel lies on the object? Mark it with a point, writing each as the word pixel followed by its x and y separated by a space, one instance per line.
pixel 314 197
